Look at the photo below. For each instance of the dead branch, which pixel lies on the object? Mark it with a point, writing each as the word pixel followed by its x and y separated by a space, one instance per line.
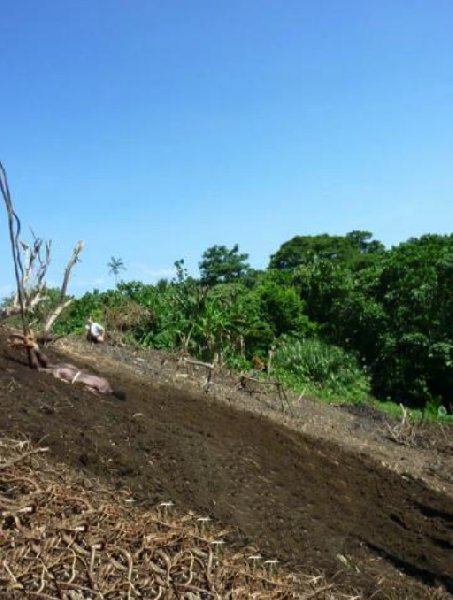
pixel 404 432
pixel 71 263
pixel 270 356
pixel 184 362
pixel 64 302
pixel 245 380
pixel 33 281
pixel 197 363
pixel 31 262
pixel 21 457
pixel 14 227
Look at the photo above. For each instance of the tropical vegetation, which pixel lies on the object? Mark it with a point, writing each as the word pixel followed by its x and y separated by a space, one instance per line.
pixel 340 316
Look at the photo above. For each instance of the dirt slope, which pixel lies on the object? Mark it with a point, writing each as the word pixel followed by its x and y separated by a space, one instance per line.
pixel 303 499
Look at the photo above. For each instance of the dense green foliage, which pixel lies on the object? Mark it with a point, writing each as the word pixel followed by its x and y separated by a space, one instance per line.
pixel 314 367
pixel 222 265
pixel 352 250
pixel 343 314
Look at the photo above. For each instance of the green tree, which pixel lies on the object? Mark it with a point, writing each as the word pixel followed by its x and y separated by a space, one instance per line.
pixel 282 307
pixel 220 264
pixel 388 309
pixel 241 327
pixel 350 249
pixel 415 289
pixel 324 285
pixel 363 242
pixel 395 313
pixel 115 266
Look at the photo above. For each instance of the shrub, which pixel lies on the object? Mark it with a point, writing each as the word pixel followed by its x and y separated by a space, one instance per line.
pixel 319 368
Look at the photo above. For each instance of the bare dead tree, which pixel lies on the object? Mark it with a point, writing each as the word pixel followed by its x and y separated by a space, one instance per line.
pixel 64 300
pixel 33 282
pixel 14 227
pixel 31 262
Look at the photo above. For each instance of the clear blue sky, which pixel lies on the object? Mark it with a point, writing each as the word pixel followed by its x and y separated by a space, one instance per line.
pixel 154 129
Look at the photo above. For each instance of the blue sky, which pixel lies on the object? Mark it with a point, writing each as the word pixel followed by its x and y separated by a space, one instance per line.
pixel 153 130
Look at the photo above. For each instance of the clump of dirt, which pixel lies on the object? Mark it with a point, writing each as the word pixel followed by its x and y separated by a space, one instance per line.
pixel 307 485
pixel 368 413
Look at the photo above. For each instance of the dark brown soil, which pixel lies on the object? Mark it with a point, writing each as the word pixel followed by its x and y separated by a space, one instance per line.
pixel 300 496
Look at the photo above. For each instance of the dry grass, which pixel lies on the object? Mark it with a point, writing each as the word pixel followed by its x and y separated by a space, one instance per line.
pixel 66 538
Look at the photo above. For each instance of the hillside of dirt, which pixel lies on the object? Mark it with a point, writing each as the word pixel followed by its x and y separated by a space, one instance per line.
pixel 70 538
pixel 315 486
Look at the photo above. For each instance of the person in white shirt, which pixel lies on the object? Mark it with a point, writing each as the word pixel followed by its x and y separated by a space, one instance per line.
pixel 95 332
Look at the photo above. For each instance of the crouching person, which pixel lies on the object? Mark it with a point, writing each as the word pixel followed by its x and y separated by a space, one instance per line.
pixel 95 332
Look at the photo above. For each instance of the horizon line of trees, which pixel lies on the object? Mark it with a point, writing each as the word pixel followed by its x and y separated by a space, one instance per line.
pixel 338 311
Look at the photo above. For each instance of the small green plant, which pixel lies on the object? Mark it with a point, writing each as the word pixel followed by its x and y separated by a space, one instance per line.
pixel 235 361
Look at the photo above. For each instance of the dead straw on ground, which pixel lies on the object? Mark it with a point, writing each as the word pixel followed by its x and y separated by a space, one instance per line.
pixel 67 538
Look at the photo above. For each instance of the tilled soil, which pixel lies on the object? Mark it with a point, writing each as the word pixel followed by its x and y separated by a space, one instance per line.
pixel 379 513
